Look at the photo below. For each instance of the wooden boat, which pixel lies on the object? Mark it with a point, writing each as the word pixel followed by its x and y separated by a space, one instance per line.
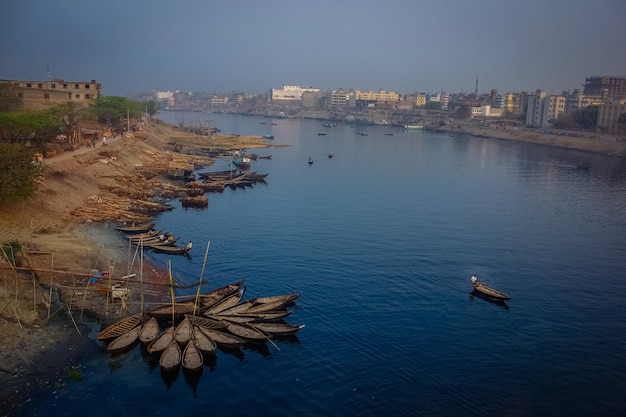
pixel 182 333
pixel 233 317
pixel 205 322
pixel 277 329
pixel 149 331
pixel 287 298
pixel 267 316
pixel 247 332
pixel 136 228
pixel 192 358
pixel 203 342
pixel 213 297
pixel 145 235
pixel 162 341
pixel 488 291
pixel 228 302
pixel 121 327
pixel 275 302
pixel 269 306
pixel 171 250
pixel 171 356
pixel 165 310
pixel 222 339
pixel 124 341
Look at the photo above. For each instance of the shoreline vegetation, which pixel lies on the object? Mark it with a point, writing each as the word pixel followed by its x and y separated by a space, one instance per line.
pixel 47 307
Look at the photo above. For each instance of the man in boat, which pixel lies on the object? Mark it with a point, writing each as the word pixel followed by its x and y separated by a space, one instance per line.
pixel 188 247
pixel 162 237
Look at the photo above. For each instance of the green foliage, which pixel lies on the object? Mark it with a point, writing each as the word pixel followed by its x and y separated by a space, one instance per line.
pixel 73 373
pixel 152 108
pixel 35 127
pixel 585 118
pixel 463 112
pixel 433 105
pixel 18 174
pixel 114 111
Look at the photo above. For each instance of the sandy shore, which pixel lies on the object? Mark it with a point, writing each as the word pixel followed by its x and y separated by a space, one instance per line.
pixel 40 339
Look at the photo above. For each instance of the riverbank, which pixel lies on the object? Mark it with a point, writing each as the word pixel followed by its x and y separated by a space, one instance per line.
pixel 40 335
pixel 587 142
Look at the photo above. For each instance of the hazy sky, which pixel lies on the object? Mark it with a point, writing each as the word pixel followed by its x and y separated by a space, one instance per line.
pixel 404 46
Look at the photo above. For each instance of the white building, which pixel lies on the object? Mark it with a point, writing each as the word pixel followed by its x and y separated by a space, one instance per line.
pixel 291 92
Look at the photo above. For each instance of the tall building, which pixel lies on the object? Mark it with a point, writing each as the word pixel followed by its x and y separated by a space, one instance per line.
pixel 606 87
pixel 534 114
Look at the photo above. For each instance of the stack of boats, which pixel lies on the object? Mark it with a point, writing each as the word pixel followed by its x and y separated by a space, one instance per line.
pixel 201 324
pixel 159 241
pixel 217 181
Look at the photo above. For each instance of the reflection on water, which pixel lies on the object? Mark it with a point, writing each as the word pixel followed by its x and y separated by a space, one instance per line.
pixel 491 300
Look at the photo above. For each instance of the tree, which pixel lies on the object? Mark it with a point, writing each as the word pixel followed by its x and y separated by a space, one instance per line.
pixel 433 105
pixel 152 108
pixel 70 115
pixel 114 111
pixel 463 112
pixel 32 128
pixel 18 174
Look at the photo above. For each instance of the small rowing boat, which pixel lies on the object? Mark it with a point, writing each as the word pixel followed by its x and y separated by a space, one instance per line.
pixel 162 341
pixel 121 327
pixel 124 341
pixel 171 356
pixel 149 331
pixel 488 291
pixel 192 357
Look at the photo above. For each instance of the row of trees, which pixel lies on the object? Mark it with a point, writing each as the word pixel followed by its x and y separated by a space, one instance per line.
pixel 22 134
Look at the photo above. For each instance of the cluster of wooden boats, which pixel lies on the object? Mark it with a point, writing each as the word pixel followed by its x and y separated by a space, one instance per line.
pixel 217 181
pixel 158 241
pixel 201 325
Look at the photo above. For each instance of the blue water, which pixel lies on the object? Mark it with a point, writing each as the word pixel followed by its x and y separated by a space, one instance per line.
pixel 381 241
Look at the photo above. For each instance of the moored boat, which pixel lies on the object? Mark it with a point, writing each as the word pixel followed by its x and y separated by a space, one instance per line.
pixel 136 228
pixel 182 333
pixel 277 329
pixel 488 291
pixel 124 341
pixel 224 340
pixel 192 358
pixel 203 342
pixel 171 356
pixel 149 330
pixel 120 327
pixel 162 341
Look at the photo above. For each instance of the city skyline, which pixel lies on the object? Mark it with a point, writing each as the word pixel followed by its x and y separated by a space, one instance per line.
pixel 401 46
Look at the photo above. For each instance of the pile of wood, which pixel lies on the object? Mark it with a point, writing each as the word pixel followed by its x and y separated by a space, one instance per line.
pixel 198 201
pixel 102 208
pixel 132 186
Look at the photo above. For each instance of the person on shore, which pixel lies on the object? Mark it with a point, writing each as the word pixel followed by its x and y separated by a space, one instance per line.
pixel 104 141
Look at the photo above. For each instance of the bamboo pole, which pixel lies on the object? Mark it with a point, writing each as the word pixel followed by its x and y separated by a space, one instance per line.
pixel 169 269
pixel 206 254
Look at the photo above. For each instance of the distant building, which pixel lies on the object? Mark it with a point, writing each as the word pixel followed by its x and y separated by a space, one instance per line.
pixel 606 87
pixel 608 116
pixel 543 108
pixel 338 100
pixel 290 92
pixel 378 96
pixel 38 95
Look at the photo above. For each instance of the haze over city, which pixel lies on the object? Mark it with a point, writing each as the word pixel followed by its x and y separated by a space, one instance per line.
pixel 253 46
